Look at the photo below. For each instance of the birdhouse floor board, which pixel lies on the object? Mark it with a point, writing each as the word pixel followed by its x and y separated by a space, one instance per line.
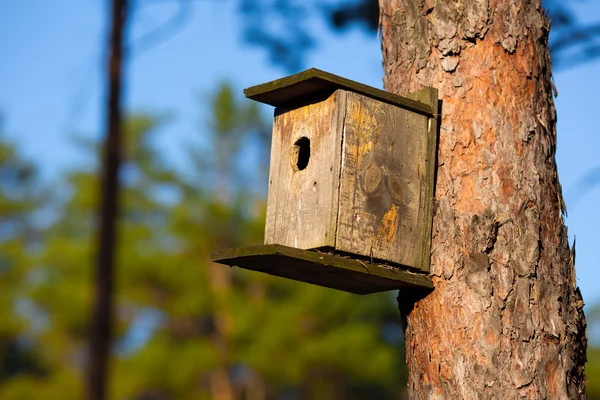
pixel 322 269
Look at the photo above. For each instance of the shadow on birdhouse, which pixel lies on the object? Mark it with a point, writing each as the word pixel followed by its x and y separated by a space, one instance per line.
pixel 350 185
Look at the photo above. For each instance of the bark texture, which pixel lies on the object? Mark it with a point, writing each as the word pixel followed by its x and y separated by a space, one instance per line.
pixel 505 319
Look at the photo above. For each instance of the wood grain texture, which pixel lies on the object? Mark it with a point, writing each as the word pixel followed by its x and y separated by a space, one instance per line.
pixel 505 320
pixel 368 186
pixel 383 182
pixel 302 205
pixel 428 96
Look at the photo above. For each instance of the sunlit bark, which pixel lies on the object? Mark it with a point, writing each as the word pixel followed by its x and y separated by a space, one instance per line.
pixel 505 319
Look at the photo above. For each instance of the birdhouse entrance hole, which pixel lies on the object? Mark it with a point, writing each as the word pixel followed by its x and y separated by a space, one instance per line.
pixel 301 153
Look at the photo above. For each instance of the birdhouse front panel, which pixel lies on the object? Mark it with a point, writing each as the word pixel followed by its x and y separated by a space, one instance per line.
pixel 304 174
pixel 350 173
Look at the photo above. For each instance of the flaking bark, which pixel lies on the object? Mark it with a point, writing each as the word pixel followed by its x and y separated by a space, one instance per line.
pixel 506 317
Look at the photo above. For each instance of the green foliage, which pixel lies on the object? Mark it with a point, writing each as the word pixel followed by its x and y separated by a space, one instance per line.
pixel 592 371
pixel 19 197
pixel 187 328
pixel 592 367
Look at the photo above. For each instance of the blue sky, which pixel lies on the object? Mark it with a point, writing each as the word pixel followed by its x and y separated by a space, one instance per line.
pixel 50 80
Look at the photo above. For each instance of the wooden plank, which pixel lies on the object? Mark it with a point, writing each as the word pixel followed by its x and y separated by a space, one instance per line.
pixel 302 203
pixel 383 182
pixel 429 96
pixel 273 186
pixel 322 269
pixel 314 85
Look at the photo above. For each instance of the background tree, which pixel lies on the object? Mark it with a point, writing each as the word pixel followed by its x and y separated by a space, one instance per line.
pixel 20 196
pixel 101 323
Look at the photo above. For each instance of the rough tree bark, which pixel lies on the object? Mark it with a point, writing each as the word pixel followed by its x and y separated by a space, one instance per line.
pixel 505 319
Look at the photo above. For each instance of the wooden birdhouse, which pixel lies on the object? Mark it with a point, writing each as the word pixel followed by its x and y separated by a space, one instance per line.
pixel 350 185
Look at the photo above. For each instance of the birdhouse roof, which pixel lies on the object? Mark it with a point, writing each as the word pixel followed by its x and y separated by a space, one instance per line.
pixel 314 85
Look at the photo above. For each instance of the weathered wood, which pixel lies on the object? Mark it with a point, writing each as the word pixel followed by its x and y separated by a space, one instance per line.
pixel 352 171
pixel 429 96
pixel 322 269
pixel 367 187
pixel 302 205
pixel 384 183
pixel 314 85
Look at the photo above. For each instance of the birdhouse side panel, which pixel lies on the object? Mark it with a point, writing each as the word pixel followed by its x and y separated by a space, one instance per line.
pixel 383 182
pixel 304 174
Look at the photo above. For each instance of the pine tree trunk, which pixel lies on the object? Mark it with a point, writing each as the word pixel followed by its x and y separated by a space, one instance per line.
pixel 102 313
pixel 505 319
pixel 221 384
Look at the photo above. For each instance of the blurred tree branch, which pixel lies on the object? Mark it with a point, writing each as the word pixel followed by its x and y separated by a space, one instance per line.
pixel 163 32
pixel 584 185
pixel 572 41
pixel 281 28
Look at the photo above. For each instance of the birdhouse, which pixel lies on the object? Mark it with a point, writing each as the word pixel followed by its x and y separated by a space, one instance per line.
pixel 350 185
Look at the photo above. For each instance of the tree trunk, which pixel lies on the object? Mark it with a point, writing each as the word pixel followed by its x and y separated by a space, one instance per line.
pixel 101 322
pixel 505 319
pixel 221 384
